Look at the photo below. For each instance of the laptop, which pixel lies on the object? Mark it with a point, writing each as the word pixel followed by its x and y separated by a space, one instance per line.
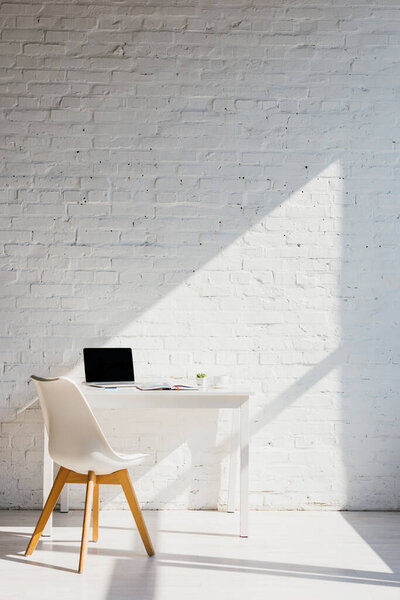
pixel 109 367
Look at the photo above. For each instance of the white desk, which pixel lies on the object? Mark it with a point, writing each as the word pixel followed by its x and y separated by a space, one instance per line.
pixel 130 398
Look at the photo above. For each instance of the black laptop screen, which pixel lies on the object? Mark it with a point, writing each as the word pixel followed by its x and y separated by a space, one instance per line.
pixel 108 364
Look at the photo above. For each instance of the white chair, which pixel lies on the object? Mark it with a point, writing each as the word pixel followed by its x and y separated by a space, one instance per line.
pixel 78 445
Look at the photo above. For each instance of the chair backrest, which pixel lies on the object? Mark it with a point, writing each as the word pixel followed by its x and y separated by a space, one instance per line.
pixel 74 433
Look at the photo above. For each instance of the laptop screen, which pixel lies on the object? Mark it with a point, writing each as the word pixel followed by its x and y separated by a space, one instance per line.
pixel 108 364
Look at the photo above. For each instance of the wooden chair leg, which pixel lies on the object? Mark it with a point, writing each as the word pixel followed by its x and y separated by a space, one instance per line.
pixel 96 502
pixel 127 486
pixel 48 508
pixel 91 481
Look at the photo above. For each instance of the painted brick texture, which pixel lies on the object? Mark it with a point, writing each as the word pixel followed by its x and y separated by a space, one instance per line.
pixel 215 184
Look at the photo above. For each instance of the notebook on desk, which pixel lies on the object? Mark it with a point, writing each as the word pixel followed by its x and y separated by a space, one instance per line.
pixel 154 387
pixel 109 367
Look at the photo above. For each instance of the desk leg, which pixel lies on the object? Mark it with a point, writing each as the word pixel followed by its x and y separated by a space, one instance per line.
pixel 47 480
pixel 64 499
pixel 233 461
pixel 244 469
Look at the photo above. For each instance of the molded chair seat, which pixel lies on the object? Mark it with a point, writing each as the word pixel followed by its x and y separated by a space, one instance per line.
pixel 100 462
pixel 77 443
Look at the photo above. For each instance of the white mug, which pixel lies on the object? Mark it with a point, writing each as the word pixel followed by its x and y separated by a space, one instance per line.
pixel 221 381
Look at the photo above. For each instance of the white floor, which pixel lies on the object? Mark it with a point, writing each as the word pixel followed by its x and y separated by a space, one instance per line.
pixel 301 555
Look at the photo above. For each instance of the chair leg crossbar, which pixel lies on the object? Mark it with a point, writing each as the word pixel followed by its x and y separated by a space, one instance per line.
pixel 93 482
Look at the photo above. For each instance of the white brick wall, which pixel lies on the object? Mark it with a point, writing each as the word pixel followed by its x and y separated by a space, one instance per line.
pixel 216 185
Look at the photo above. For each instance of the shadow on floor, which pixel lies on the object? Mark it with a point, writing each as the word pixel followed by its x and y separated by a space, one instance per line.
pixel 381 531
pixel 145 576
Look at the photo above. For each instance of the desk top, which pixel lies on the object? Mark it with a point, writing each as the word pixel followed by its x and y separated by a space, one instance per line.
pixel 134 398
